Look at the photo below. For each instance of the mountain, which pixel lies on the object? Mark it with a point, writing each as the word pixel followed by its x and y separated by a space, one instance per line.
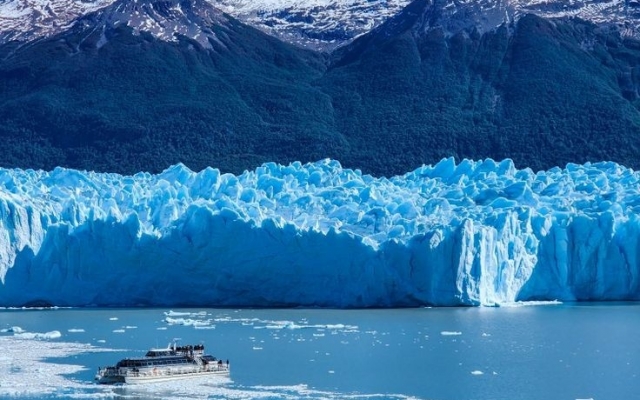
pixel 434 82
pixel 107 95
pixel 139 85
pixel 320 235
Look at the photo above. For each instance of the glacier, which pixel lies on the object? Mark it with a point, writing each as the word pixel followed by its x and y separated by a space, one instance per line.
pixel 320 235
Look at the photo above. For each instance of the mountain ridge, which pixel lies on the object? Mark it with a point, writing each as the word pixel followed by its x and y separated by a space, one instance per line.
pixel 325 24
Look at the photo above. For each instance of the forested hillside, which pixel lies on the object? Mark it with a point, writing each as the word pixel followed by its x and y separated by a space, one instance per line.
pixel 542 93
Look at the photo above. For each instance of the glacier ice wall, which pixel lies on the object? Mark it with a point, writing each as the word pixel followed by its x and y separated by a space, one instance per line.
pixel 473 233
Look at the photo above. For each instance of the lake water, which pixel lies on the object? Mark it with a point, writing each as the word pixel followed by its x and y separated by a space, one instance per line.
pixel 548 352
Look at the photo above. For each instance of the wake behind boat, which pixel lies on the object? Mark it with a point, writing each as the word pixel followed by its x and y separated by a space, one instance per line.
pixel 171 363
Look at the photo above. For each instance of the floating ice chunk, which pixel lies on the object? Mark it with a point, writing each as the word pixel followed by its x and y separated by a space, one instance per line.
pixel 188 322
pixel 25 374
pixel 277 325
pixel 13 329
pixel 530 303
pixel 172 313
pixel 204 327
pixel 450 333
pixel 39 336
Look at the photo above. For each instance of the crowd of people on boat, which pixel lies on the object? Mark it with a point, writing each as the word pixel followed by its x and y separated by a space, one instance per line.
pixel 189 348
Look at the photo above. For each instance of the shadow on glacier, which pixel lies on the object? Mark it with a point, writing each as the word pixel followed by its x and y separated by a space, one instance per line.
pixel 209 259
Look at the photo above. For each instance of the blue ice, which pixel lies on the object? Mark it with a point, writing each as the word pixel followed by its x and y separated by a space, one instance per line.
pixel 320 235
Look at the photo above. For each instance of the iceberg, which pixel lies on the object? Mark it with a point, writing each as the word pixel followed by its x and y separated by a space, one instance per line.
pixel 320 235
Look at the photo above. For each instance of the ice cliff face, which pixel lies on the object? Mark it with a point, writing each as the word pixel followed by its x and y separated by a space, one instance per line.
pixel 320 235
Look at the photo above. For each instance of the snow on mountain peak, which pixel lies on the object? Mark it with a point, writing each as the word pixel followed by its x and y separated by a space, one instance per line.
pixel 318 24
pixel 165 19
pixel 486 15
pixel 320 235
pixel 321 23
pixel 26 20
pixel 327 24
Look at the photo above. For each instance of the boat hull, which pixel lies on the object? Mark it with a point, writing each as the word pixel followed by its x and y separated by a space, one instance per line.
pixel 169 376
pixel 158 376
pixel 110 380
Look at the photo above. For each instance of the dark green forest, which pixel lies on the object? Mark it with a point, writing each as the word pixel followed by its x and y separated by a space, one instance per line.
pixel 543 94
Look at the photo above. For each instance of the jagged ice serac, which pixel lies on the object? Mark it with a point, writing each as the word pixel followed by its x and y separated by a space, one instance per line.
pixel 320 235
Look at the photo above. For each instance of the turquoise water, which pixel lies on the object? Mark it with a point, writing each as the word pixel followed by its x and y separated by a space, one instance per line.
pixel 528 352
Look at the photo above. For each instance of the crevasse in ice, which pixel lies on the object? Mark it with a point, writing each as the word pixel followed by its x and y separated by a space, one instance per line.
pixel 473 233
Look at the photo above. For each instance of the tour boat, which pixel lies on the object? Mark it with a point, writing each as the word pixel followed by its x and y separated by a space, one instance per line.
pixel 171 363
